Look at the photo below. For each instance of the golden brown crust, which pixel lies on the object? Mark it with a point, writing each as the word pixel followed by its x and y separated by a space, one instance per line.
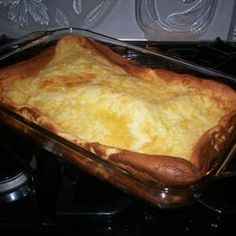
pixel 211 146
pixel 36 116
pixel 215 143
pixel 166 170
pixel 27 67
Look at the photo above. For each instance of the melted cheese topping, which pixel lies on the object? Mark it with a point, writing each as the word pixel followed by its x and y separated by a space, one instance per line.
pixel 91 100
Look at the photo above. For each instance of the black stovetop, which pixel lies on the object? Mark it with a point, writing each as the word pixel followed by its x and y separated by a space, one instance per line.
pixel 57 194
pixel 62 196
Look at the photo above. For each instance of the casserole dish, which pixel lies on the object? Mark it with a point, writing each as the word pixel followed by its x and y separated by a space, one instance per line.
pixel 72 75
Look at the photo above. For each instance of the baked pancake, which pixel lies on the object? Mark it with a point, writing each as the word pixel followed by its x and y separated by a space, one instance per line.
pixel 156 124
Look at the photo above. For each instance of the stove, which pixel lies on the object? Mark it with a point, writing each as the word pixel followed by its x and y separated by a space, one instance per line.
pixel 37 189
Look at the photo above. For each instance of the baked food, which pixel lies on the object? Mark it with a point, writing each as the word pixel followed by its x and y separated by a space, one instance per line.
pixel 159 126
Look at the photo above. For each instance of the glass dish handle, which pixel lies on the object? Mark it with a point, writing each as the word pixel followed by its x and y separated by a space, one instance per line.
pixel 24 42
pixel 225 170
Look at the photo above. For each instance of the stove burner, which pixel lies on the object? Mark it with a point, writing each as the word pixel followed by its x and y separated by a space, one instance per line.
pixel 14 188
pixel 15 183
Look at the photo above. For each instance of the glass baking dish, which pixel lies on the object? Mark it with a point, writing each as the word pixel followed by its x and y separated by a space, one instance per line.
pixel 151 192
